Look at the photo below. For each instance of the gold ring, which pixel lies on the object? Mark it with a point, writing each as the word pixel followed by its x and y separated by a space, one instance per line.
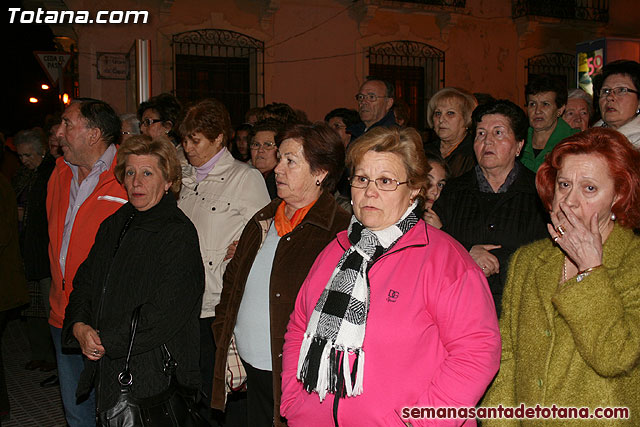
pixel 555 239
pixel 560 230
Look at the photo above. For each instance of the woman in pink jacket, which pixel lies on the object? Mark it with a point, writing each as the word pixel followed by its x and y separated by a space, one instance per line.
pixel 404 294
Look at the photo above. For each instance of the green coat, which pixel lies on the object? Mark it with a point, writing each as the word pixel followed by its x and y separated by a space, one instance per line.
pixel 13 285
pixel 533 162
pixel 575 344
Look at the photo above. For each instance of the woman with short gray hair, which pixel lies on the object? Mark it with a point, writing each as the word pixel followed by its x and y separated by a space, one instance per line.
pixel 31 146
pixel 130 126
pixel 579 109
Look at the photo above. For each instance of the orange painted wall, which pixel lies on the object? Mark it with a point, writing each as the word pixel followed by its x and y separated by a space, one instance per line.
pixel 318 69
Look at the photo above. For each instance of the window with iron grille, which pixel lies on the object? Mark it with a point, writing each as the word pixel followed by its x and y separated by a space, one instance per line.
pixel 221 64
pixel 584 10
pixel 562 65
pixel 447 3
pixel 415 69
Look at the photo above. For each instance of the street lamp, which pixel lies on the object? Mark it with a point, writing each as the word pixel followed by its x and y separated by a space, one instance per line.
pixel 33 100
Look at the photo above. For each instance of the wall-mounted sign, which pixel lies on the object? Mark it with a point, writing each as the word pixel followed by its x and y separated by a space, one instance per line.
pixel 112 66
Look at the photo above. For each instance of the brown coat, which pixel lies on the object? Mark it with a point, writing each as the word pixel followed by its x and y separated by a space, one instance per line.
pixel 294 257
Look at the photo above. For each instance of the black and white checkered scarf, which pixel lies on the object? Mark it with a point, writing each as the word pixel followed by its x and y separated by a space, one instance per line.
pixel 338 322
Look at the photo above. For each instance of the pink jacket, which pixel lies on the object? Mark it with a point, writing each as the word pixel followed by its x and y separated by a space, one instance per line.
pixel 432 336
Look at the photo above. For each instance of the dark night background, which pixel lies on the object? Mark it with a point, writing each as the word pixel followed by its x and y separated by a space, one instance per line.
pixel 24 75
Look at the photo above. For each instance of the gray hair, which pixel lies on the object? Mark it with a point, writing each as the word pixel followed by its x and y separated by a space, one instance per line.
pixel 578 93
pixel 133 121
pixel 36 137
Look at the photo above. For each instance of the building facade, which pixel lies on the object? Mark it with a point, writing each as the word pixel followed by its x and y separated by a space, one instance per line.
pixel 314 54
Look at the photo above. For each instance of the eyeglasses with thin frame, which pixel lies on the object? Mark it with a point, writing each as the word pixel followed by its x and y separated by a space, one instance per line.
pixel 617 91
pixel 265 146
pixel 371 97
pixel 149 122
pixel 383 184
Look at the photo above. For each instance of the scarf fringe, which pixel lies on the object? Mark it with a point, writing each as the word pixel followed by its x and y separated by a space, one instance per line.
pixel 346 374
pixel 324 373
pixel 303 362
pixel 329 362
pixel 359 370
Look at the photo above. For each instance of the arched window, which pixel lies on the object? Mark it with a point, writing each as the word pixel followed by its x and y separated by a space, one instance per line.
pixel 416 69
pixel 562 65
pixel 225 65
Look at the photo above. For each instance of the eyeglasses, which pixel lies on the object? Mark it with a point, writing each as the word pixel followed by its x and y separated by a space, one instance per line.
pixel 265 146
pixel 149 122
pixel 127 133
pixel 371 97
pixel 617 91
pixel 383 184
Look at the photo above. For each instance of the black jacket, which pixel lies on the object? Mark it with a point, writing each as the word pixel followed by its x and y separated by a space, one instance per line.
pixel 156 264
pixel 461 160
pixel 34 236
pixel 510 219
pixel 360 128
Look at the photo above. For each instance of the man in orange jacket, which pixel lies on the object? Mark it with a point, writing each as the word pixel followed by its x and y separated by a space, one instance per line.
pixel 82 192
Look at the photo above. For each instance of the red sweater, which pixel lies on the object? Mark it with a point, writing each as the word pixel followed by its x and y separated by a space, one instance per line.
pixel 90 215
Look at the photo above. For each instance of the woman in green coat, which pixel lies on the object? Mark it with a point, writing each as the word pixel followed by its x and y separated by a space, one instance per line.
pixel 546 102
pixel 570 320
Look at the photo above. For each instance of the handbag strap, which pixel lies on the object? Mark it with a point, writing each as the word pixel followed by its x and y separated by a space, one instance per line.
pixel 170 363
pixel 124 377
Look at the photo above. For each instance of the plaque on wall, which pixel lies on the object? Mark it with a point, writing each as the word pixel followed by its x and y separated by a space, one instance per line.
pixel 114 66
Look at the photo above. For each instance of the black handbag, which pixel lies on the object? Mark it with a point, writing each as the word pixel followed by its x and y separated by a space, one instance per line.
pixel 174 407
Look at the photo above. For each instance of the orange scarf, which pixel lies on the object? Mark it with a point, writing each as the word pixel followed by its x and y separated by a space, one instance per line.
pixel 285 225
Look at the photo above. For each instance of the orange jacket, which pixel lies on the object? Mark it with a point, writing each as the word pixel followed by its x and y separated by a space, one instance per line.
pixel 107 198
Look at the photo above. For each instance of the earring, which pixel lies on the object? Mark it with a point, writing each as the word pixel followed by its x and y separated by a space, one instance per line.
pixel 318 182
pixel 351 202
pixel 613 216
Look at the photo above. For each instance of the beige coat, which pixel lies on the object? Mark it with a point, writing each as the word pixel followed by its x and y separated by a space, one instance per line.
pixel 575 344
pixel 220 206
